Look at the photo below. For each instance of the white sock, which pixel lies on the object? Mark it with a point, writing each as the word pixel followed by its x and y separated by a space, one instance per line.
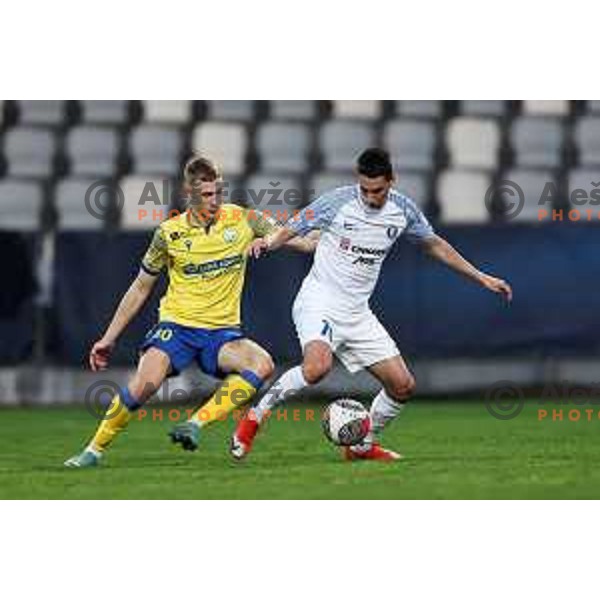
pixel 291 381
pixel 383 410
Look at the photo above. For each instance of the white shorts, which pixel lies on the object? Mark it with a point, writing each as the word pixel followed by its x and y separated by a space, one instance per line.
pixel 359 341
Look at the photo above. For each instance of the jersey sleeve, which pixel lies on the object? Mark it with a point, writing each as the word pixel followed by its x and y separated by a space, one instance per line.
pixel 260 225
pixel 155 259
pixel 319 214
pixel 418 227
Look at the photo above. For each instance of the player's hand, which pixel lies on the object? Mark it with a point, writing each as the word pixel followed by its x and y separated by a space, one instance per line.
pixel 100 355
pixel 498 286
pixel 258 248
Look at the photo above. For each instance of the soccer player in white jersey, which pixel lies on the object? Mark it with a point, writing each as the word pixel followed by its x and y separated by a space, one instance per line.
pixel 359 224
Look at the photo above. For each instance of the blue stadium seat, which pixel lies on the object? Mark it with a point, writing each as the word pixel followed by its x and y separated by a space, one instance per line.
pixel 592 107
pixel 146 201
pixel 30 152
pixel 266 191
pixel 231 110
pixel 461 195
pixel 537 142
pixel 342 141
pixel 415 186
pixel 105 112
pixel 427 109
pixel 226 143
pixel 326 181
pixel 156 149
pixel 587 140
pixel 484 108
pixel 533 184
pixel 283 147
pixel 72 209
pixel 473 143
pixel 411 143
pixel 294 110
pixel 20 205
pixel 92 150
pixel 557 108
pixel 369 110
pixel 171 112
pixel 42 112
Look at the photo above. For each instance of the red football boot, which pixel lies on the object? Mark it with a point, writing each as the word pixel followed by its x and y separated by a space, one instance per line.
pixel 242 439
pixel 373 452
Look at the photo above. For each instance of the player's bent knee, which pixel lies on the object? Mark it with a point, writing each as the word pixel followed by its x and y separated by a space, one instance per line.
pixel 265 367
pixel 316 368
pixel 402 389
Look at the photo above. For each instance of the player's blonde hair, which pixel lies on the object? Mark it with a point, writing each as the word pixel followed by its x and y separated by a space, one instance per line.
pixel 200 168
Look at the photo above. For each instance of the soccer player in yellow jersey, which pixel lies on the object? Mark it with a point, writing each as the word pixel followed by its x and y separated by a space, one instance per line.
pixel 205 252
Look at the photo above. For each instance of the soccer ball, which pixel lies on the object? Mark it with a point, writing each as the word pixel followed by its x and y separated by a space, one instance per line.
pixel 346 422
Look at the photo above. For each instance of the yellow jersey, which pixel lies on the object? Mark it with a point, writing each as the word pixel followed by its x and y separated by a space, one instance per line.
pixel 206 266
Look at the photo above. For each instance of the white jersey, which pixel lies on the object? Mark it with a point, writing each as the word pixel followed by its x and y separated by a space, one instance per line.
pixel 355 240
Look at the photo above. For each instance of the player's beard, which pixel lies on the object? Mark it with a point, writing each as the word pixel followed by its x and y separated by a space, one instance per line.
pixel 370 206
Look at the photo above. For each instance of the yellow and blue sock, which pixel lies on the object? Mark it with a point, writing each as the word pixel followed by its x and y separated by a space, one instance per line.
pixel 235 391
pixel 115 420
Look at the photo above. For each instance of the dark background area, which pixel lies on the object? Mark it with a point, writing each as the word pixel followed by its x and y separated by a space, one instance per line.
pixel 554 268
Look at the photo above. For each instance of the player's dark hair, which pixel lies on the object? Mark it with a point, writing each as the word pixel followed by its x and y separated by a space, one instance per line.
pixel 200 168
pixel 375 162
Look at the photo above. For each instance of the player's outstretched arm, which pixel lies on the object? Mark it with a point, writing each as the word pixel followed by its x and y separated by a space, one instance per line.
pixel 441 250
pixel 307 244
pixel 131 303
pixel 277 238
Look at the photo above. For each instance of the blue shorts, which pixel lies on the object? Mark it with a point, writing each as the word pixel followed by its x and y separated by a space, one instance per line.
pixel 184 345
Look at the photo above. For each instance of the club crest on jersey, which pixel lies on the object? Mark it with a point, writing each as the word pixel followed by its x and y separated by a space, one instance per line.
pixel 345 243
pixel 175 235
pixel 230 235
pixel 392 232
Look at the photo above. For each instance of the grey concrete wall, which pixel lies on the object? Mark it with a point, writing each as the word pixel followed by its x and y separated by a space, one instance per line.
pixel 48 386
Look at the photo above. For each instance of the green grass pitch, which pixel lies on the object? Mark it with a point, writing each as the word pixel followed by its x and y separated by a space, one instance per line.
pixel 453 450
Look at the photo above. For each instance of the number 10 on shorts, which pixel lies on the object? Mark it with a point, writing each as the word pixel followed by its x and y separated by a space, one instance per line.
pixel 163 334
